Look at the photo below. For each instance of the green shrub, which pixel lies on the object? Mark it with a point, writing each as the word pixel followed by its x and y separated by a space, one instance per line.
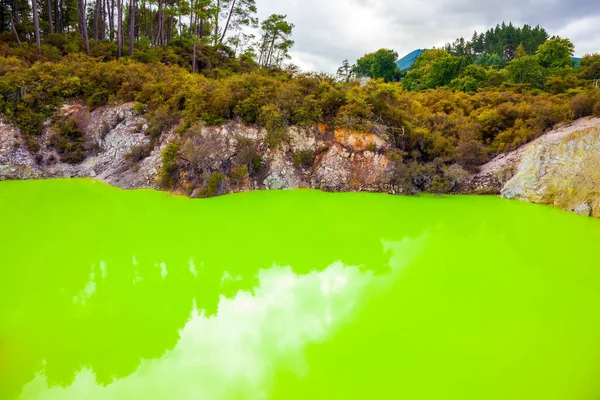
pixel 170 166
pixel 272 118
pixel 238 174
pixel 214 185
pixel 69 142
pixel 372 147
pixel 98 99
pixel 138 153
pixel 304 158
pixel 256 165
pixel 160 119
pixel 139 108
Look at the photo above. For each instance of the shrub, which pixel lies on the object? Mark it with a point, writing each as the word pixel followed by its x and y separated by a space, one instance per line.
pixel 470 154
pixel 372 147
pixel 69 142
pixel 238 174
pixel 256 165
pixel 273 120
pixel 169 165
pixel 138 153
pixel 161 118
pixel 304 158
pixel 139 108
pixel 582 105
pixel 214 185
pixel 98 99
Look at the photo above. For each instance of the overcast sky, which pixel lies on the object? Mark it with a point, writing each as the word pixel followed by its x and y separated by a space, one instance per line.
pixel 329 31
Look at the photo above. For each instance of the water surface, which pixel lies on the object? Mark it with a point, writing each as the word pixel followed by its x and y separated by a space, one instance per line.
pixel 109 294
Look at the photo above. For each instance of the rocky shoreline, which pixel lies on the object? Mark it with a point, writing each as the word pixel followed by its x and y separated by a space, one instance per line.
pixel 561 168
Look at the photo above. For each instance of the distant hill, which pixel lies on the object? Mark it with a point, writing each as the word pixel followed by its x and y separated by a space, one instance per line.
pixel 408 60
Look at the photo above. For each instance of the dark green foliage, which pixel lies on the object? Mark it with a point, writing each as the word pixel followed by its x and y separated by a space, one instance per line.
pixel 589 66
pixel 256 165
pixel 502 41
pixel 214 185
pixel 434 68
pixel 378 65
pixel 272 118
pixel 490 60
pixel 139 108
pixel 169 165
pixel 97 99
pixel 238 174
pixel 526 70
pixel 304 158
pixel 69 142
pixel 29 123
pixel 556 53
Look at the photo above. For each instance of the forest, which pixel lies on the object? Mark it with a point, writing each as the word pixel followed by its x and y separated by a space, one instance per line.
pixel 207 62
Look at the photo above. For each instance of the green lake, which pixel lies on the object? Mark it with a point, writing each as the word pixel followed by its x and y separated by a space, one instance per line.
pixel 112 294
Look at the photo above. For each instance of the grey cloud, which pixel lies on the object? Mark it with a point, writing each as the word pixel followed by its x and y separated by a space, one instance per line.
pixel 329 31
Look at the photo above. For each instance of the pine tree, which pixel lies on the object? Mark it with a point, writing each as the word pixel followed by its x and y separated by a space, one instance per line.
pixel 36 25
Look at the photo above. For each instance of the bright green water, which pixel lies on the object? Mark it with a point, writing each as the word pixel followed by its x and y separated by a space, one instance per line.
pixel 108 294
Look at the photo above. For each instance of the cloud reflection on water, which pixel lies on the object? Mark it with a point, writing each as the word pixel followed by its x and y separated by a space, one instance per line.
pixel 254 335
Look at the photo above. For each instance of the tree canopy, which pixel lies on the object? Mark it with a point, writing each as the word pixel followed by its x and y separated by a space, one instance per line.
pixel 149 30
pixel 379 65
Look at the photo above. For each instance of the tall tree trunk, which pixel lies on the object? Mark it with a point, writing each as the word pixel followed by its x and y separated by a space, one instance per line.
pixel 36 26
pixel 50 24
pixel 14 29
pixel 194 22
pixel 227 23
pixel 170 30
pixel 263 47
pixel 15 11
pixel 145 15
pixel 103 20
pixel 191 17
pixel 161 24
pixel 119 28
pixel 218 12
pixel 82 25
pixel 201 24
pixel 271 50
pixel 111 19
pixel 132 5
pixel 58 7
pixel 96 18
pixel 152 38
pixel 12 23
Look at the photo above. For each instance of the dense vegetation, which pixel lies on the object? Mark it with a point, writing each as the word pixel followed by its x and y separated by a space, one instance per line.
pixel 454 110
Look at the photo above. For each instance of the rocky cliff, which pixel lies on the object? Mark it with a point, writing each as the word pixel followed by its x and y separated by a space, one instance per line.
pixel 111 133
pixel 344 161
pixel 561 168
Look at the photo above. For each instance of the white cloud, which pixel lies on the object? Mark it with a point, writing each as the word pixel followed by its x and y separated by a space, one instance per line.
pixel 329 31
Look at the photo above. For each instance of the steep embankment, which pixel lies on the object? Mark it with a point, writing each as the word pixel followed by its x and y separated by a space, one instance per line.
pixel 561 168
pixel 343 161
pixel 110 133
